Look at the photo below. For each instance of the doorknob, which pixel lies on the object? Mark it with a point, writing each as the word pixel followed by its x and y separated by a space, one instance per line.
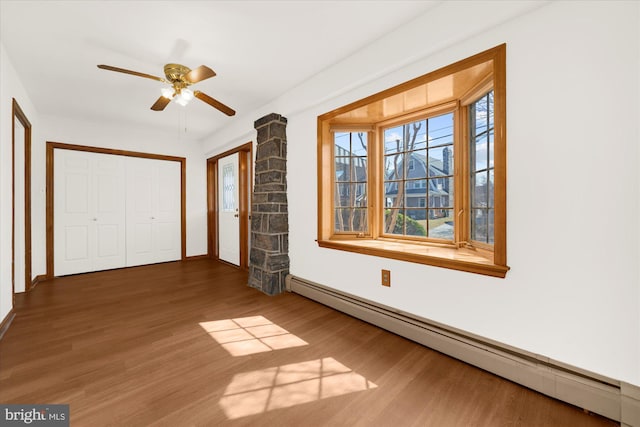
pixel 235 215
pixel 94 219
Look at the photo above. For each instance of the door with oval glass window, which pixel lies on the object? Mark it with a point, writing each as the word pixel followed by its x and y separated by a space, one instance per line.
pixel 228 209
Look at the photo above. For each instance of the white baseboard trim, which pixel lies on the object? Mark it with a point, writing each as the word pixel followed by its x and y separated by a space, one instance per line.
pixel 593 392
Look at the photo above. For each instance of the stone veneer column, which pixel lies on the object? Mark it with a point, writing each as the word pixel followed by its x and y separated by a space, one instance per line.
pixel 269 255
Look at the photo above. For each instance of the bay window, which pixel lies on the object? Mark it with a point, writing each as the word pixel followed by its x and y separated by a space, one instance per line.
pixel 418 172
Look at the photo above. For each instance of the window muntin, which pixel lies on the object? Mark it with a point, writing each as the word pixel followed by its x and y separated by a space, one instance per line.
pixel 351 174
pixel 419 200
pixel 481 138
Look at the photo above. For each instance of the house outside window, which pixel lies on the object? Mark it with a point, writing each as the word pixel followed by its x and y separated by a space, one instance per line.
pixel 421 165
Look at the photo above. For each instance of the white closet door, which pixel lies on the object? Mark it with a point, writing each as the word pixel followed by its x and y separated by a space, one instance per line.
pixel 109 221
pixel 89 218
pixel 168 230
pixel 153 211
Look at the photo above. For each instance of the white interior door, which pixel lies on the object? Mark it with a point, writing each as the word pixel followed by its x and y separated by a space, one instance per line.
pixel 153 211
pixel 89 212
pixel 109 219
pixel 19 278
pixel 228 210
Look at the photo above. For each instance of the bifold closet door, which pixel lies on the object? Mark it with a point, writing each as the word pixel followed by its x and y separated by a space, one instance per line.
pixel 153 211
pixel 114 211
pixel 89 212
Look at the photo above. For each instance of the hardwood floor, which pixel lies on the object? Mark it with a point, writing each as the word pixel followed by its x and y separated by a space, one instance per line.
pixel 188 343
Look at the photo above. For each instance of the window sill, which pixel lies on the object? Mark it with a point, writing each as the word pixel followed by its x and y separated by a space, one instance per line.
pixel 462 259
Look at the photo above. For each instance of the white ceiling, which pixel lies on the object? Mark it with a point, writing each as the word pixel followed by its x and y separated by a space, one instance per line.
pixel 259 50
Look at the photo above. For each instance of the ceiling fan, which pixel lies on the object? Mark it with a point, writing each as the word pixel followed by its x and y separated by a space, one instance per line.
pixel 180 78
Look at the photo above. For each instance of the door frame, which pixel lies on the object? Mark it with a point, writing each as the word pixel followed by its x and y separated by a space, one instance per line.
pixel 50 184
pixel 18 114
pixel 245 174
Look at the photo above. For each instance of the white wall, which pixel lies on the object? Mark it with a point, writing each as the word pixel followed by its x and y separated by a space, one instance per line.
pixel 10 87
pixel 140 139
pixel 573 188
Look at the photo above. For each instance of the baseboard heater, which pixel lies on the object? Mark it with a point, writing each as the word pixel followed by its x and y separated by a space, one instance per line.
pixel 584 389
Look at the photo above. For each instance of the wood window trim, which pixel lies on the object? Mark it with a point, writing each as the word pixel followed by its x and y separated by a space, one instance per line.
pixel 463 257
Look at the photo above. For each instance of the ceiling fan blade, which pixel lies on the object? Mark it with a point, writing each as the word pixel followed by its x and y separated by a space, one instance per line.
pixel 135 73
pixel 160 104
pixel 198 74
pixel 214 103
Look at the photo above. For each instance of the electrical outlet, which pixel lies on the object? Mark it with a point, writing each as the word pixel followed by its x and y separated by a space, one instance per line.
pixel 386 278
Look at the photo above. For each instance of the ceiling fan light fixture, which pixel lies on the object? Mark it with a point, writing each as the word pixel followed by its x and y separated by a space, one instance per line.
pixel 167 92
pixel 184 97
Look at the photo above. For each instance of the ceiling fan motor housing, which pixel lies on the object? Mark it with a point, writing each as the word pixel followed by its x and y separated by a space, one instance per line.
pixel 176 72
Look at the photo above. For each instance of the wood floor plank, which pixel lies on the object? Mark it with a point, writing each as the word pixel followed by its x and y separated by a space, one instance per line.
pixel 168 345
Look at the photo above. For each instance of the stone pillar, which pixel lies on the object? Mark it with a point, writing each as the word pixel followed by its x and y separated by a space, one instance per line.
pixel 269 255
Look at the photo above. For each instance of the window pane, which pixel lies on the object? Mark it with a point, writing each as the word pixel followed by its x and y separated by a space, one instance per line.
pixel 480 190
pixel 449 189
pixel 359 144
pixel 441 161
pixel 342 142
pixel 351 195
pixel 419 187
pixel 441 130
pixel 479 225
pixel 418 160
pixel 392 200
pixel 342 195
pixel 342 169
pixel 441 223
pixel 394 140
pixel 413 193
pixel 393 167
pixel 481 152
pixel 394 221
pixel 415 222
pixel 358 169
pixel 441 192
pixel 351 220
pixel 481 115
pixel 360 193
pixel 421 141
pixel 415 135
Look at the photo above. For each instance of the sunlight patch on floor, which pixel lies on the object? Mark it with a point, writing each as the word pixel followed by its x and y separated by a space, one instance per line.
pixel 250 335
pixel 255 392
